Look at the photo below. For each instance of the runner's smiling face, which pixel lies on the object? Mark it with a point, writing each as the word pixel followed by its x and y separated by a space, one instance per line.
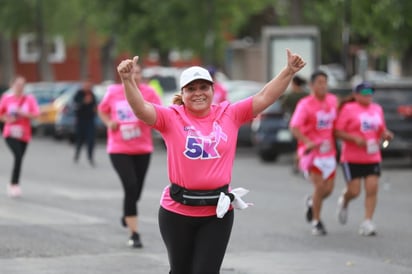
pixel 197 97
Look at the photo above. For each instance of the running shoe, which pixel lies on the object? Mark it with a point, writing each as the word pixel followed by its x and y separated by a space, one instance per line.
pixel 13 190
pixel 342 212
pixel 134 241
pixel 318 229
pixel 367 228
pixel 308 208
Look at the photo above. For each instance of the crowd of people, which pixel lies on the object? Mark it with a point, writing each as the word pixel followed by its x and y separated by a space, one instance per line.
pixel 196 213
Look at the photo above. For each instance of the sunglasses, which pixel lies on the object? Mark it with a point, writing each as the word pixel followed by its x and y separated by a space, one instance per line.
pixel 366 91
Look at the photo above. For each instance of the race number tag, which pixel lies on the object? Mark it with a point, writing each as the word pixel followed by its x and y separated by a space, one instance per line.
pixel 372 146
pixel 324 147
pixel 16 131
pixel 130 131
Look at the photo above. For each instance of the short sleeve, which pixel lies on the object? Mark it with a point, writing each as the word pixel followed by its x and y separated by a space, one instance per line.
pixel 104 105
pixel 342 118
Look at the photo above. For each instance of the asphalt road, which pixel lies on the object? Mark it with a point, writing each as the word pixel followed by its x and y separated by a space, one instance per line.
pixel 68 219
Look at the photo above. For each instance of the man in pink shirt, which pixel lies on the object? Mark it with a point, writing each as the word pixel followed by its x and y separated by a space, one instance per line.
pixel 361 127
pixel 201 144
pixel 312 125
pixel 16 111
pixel 129 145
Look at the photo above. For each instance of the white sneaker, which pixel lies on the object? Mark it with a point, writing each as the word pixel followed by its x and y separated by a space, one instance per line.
pixel 367 228
pixel 342 212
pixel 13 191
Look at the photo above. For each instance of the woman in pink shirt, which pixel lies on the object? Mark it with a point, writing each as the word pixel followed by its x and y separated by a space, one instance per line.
pixel 361 127
pixel 220 92
pixel 129 145
pixel 16 111
pixel 312 125
pixel 195 217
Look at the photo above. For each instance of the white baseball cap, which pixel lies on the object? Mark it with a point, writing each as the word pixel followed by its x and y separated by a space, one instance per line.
pixel 194 73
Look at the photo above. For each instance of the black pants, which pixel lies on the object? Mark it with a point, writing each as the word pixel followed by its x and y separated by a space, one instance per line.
pixel 85 132
pixel 131 170
pixel 195 245
pixel 18 148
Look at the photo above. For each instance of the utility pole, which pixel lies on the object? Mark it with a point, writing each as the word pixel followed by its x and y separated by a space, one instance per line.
pixel 346 61
pixel 43 66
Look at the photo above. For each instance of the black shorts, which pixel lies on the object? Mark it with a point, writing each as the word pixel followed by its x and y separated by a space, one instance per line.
pixel 352 171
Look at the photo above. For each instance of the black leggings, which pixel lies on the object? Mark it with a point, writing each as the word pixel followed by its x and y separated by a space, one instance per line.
pixel 132 172
pixel 195 245
pixel 18 148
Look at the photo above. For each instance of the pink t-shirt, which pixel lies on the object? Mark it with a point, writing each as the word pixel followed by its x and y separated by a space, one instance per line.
pixel 220 93
pixel 21 128
pixel 200 151
pixel 315 119
pixel 367 122
pixel 132 135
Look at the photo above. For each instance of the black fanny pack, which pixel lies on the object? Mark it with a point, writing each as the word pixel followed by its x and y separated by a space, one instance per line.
pixel 197 197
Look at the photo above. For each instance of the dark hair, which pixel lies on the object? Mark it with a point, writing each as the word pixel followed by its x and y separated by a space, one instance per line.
pixel 316 74
pixel 212 70
pixel 363 85
pixel 177 99
pixel 15 77
pixel 299 81
pixel 345 100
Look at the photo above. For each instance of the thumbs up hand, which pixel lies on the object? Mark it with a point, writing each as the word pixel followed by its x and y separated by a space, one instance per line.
pixel 126 68
pixel 295 61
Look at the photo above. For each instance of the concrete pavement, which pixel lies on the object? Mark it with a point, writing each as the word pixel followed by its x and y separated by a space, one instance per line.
pixel 67 222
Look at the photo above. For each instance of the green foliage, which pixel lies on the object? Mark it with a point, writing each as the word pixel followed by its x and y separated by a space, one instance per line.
pixel 174 24
pixel 385 23
pixel 382 26
pixel 204 25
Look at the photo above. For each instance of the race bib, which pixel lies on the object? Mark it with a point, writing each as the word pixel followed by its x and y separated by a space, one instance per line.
pixel 130 132
pixel 372 146
pixel 16 131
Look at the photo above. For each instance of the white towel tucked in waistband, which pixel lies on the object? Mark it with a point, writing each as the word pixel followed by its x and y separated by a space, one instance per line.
pixel 224 201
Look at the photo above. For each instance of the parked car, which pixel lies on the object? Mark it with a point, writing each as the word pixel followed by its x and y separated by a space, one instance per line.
pixel 64 127
pixel 45 94
pixel 270 133
pixel 396 101
pixel 165 80
pixel 238 90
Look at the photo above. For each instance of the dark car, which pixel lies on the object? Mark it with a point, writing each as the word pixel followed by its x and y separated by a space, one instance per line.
pixel 396 101
pixel 238 90
pixel 270 133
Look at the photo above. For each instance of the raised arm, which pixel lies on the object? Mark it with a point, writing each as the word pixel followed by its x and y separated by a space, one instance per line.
pixel 275 87
pixel 143 110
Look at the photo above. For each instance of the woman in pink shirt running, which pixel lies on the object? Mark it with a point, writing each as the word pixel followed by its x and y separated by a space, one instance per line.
pixel 361 127
pixel 312 125
pixel 196 216
pixel 16 111
pixel 130 146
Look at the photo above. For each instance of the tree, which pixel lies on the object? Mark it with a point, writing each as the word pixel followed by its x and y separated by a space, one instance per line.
pixel 380 26
pixel 201 25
